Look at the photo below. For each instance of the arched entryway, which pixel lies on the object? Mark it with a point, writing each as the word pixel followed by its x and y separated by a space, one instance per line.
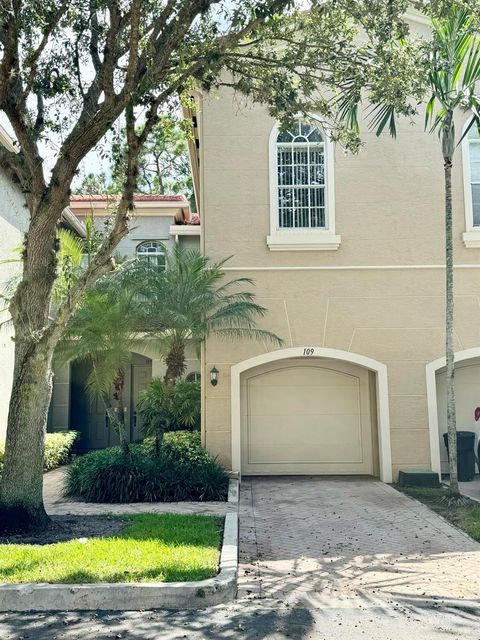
pixel 310 410
pixel 467 391
pixel 89 417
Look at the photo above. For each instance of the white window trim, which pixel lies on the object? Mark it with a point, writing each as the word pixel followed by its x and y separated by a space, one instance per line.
pixel 471 236
pixel 302 239
pixel 140 255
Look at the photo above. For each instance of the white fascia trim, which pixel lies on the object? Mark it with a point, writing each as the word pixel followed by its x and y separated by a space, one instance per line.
pixel 383 412
pixel 311 241
pixel 185 230
pixel 7 141
pixel 294 239
pixel 431 380
pixel 416 16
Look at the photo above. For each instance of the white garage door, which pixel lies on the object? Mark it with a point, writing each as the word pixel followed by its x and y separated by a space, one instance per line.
pixel 300 418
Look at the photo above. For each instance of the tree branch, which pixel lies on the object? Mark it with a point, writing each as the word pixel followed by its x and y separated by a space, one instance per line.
pixel 32 62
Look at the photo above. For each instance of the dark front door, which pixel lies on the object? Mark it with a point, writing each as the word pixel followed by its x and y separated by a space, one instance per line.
pixel 89 417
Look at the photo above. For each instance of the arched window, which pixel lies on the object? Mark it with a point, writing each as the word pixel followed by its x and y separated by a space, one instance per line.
pixel 301 187
pixel 302 213
pixel 152 252
pixel 474 156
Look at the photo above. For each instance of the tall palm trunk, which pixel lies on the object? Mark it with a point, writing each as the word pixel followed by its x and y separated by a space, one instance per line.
pixel 449 316
pixel 175 362
pixel 119 386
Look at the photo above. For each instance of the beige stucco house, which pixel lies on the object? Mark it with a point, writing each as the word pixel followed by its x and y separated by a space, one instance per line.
pixel 347 253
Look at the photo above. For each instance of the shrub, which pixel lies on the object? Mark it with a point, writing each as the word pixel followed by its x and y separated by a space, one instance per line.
pixel 170 408
pixel 183 446
pixel 58 447
pixel 183 471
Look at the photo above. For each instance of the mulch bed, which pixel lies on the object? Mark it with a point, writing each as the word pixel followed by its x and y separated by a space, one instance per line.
pixel 65 528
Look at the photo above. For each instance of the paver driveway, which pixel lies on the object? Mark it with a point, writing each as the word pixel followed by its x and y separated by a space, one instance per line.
pixel 321 542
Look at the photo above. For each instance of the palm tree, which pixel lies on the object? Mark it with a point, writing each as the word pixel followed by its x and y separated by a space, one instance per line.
pixel 190 300
pixel 103 333
pixel 451 71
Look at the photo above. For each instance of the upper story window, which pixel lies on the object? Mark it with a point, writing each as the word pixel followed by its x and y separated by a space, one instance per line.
pixel 471 172
pixel 152 252
pixel 301 178
pixel 474 152
pixel 302 215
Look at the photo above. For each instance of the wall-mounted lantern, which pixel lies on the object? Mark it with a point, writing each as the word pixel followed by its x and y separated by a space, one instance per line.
pixel 214 376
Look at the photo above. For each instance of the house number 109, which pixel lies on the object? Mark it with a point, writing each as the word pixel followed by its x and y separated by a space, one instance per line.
pixel 308 351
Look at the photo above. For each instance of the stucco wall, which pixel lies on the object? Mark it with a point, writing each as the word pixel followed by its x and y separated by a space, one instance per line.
pixel 389 213
pixel 13 224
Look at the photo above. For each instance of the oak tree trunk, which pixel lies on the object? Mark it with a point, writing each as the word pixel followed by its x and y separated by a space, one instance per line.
pixel 449 317
pixel 21 490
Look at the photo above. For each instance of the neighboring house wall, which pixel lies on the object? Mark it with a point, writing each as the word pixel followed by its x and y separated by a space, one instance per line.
pixel 379 295
pixel 149 224
pixel 13 224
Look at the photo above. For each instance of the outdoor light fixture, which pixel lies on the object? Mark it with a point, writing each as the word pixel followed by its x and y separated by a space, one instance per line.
pixel 214 376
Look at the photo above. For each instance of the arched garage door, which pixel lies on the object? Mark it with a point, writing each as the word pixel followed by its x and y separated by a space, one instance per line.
pixel 307 417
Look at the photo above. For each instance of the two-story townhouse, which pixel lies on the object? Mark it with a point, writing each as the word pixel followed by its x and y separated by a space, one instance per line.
pixel 347 253
pixel 159 221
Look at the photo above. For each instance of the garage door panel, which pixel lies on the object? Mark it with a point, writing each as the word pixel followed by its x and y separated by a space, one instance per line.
pixel 306 400
pixel 301 440
pixel 312 376
pixel 306 419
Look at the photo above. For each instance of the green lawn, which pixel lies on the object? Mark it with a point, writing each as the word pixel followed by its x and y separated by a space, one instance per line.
pixel 151 548
pixel 466 517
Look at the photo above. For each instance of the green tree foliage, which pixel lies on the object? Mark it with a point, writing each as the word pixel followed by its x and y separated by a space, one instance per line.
pixel 190 300
pixel 163 163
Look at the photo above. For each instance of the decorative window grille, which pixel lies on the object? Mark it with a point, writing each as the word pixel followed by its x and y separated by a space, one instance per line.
pixel 152 252
pixel 301 184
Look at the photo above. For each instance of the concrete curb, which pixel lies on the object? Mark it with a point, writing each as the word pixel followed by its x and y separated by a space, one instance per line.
pixel 133 597
pixel 233 491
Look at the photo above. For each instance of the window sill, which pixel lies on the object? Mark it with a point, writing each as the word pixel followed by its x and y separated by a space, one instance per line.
pixel 471 239
pixel 306 241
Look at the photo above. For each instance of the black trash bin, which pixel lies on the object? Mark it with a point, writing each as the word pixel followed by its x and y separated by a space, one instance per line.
pixel 465 455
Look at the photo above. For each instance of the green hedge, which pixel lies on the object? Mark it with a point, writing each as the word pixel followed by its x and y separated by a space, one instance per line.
pixel 183 471
pixel 58 447
pixel 184 446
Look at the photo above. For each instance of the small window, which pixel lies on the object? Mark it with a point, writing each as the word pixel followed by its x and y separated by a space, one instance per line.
pixel 193 376
pixel 152 252
pixel 474 154
pixel 301 185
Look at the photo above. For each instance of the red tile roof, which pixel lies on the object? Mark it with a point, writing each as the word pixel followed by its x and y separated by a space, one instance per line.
pixel 140 197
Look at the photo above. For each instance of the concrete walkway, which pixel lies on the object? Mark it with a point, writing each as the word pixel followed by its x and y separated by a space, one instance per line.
pixel 323 542
pixel 57 504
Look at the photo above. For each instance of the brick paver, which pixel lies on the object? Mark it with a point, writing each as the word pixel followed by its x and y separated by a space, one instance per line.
pixel 315 540
pixel 57 505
